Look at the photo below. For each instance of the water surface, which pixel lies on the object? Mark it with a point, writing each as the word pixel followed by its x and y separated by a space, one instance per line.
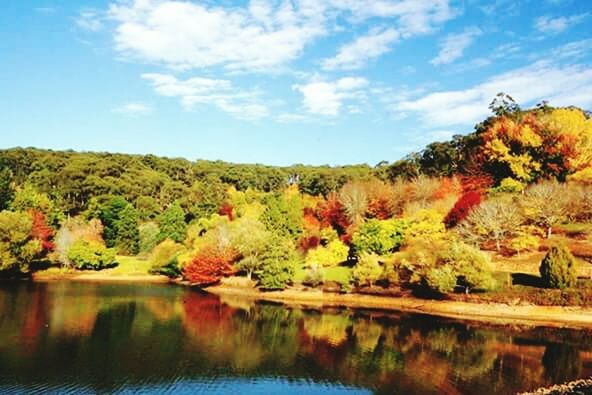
pixel 127 338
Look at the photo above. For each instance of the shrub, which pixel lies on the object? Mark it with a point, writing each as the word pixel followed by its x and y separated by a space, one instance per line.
pixel 558 268
pixel 314 276
pixel 91 255
pixel 524 242
pixel 379 237
pixel 462 208
pixel 209 265
pixel 425 224
pixel 440 279
pixel 473 267
pixel 367 270
pixel 509 185
pixel 163 259
pixel 278 264
pixel 325 256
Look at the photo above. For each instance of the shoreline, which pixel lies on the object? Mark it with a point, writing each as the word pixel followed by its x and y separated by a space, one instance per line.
pixel 495 313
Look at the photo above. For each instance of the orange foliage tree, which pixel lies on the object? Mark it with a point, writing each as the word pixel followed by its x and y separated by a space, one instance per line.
pixel 41 231
pixel 209 265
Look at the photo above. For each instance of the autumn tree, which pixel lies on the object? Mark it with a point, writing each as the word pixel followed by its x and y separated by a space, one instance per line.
pixel 494 219
pixel 354 198
pixel 209 265
pixel 543 205
pixel 18 247
pixel 463 206
pixel 251 239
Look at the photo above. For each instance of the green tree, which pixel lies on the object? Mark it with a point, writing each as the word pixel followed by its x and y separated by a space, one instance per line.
pixel 379 237
pixel 278 264
pixel 91 255
pixel 149 234
pixel 148 208
pixel 250 238
pixel 6 192
pixel 126 229
pixel 283 215
pixel 17 246
pixel 110 215
pixel 558 268
pixel 172 224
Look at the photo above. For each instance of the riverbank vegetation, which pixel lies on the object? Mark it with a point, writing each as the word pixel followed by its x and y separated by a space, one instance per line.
pixel 501 214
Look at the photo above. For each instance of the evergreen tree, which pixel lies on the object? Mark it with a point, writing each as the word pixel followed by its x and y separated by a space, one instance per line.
pixel 172 224
pixel 127 232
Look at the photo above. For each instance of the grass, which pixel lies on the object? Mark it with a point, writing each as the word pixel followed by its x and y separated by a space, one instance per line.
pixel 339 274
pixel 129 266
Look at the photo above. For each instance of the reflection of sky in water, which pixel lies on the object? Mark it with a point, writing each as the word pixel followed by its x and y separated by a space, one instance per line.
pixel 120 338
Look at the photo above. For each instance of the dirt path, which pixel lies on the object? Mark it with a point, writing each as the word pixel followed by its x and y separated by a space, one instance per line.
pixel 102 277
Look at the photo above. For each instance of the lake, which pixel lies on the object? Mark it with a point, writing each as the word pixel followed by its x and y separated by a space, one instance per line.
pixel 68 337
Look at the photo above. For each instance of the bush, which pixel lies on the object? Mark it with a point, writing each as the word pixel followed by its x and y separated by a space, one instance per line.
pixel 91 255
pixel 425 224
pixel 558 268
pixel 209 265
pixel 379 237
pixel 314 276
pixel 473 267
pixel 524 242
pixel 330 255
pixel 440 279
pixel 367 270
pixel 278 264
pixel 509 185
pixel 163 259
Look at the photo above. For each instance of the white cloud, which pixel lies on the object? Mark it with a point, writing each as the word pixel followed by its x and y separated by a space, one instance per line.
pixel 560 85
pixel 326 98
pixel 133 109
pixel 186 35
pixel 547 24
pixel 572 50
pixel 356 54
pixel 262 35
pixel 292 117
pixel 195 92
pixel 90 20
pixel 454 45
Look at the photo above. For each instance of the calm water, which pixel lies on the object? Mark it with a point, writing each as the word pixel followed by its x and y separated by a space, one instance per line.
pixel 79 337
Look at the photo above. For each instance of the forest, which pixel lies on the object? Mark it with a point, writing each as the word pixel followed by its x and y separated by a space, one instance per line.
pixel 487 213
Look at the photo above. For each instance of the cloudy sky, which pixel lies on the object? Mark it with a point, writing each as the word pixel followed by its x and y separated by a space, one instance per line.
pixel 280 81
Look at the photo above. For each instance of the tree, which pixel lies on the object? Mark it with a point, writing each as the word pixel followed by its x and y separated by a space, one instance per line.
pixel 209 265
pixel 354 198
pixel 204 198
pixel 126 228
pixel 74 229
pixel 28 198
pixel 472 267
pixel 91 255
pixel 494 219
pixel 503 105
pixel 163 259
pixel 18 247
pixel 379 237
pixel 278 264
pixel 462 208
pixel 172 224
pixel 250 238
pixel 148 208
pixel 558 268
pixel 41 231
pixel 334 253
pixel 543 204
pixel 367 270
pixel 110 214
pixel 149 236
pixel 6 192
pixel 283 215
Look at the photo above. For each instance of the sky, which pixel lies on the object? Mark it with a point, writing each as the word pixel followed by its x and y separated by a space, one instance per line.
pixel 280 82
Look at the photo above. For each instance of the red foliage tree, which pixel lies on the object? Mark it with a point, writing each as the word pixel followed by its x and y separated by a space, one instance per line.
pixel 332 213
pixel 227 209
pixel 462 208
pixel 380 209
pixel 209 265
pixel 41 231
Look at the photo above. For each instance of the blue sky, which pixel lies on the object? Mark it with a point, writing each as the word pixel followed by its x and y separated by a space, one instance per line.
pixel 276 81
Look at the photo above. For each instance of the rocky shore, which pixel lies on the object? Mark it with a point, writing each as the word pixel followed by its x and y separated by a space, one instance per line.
pixel 577 387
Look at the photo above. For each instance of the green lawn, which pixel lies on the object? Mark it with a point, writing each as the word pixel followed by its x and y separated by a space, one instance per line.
pixel 340 274
pixel 129 265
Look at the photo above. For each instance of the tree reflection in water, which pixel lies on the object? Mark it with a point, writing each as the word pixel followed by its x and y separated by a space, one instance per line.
pixel 123 337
